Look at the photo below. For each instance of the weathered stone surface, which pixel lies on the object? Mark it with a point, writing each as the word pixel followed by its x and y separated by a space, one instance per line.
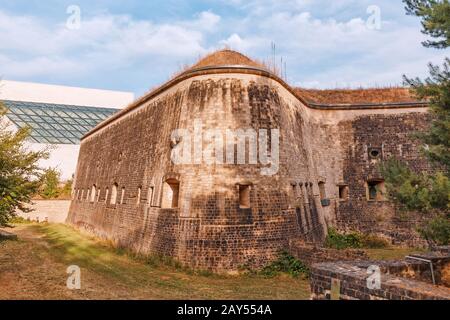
pixel 208 228
pixel 310 254
pixel 53 211
pixel 394 285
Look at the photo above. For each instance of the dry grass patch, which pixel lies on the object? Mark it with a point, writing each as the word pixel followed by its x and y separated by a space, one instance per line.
pixel 34 267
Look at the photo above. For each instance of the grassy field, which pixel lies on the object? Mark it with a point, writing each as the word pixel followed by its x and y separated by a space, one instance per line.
pixel 34 267
pixel 391 253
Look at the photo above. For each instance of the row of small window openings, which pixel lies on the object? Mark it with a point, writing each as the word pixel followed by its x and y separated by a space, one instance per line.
pixel 93 195
pixel 170 194
pixel 375 190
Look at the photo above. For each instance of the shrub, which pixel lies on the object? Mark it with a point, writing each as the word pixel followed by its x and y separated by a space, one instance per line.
pixel 338 240
pixel 437 230
pixel 19 170
pixel 19 220
pixel 372 241
pixel 50 181
pixel 285 263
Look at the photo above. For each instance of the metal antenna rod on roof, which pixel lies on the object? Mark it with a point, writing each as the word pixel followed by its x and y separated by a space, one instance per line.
pixel 281 67
pixel 285 72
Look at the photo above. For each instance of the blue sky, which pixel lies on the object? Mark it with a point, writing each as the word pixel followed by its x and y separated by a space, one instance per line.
pixel 136 45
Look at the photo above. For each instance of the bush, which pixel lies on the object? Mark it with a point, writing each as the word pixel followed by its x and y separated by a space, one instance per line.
pixel 19 220
pixel 338 240
pixel 437 230
pixel 19 170
pixel 372 241
pixel 50 181
pixel 285 263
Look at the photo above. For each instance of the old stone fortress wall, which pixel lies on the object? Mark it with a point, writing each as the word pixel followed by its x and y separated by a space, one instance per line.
pixel 225 216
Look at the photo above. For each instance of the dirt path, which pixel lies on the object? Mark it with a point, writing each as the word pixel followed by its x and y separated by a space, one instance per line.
pixel 34 267
pixel 29 271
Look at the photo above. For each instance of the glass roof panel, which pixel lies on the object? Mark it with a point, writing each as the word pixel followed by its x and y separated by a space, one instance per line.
pixel 54 123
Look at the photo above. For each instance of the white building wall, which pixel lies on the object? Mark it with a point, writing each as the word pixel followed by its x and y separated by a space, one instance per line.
pixel 36 92
pixel 62 156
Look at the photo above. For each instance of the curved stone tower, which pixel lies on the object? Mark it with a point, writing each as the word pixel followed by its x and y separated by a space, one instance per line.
pixel 219 168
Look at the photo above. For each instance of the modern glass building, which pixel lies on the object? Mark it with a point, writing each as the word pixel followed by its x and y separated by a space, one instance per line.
pixel 55 123
pixel 59 116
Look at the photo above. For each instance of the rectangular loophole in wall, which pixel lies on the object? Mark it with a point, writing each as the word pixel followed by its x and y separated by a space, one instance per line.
pixel 93 193
pixel 113 199
pixel 122 196
pixel 323 194
pixel 244 196
pixel 138 197
pixel 375 190
pixel 150 195
pixel 171 192
pixel 343 192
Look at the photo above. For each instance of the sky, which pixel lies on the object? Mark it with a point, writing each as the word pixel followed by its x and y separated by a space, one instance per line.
pixel 136 45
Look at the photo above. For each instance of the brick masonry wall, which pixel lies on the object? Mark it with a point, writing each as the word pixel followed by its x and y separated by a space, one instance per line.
pixel 349 281
pixel 208 229
pixel 310 254
pixel 392 135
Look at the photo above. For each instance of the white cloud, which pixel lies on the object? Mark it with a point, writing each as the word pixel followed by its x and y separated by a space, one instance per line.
pixel 31 47
pixel 323 48
pixel 328 52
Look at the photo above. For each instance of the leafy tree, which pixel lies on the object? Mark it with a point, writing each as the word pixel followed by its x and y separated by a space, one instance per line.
pixel 50 181
pixel 19 171
pixel 66 190
pixel 437 230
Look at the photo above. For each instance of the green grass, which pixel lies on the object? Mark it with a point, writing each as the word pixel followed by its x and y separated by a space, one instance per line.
pixel 127 276
pixel 392 253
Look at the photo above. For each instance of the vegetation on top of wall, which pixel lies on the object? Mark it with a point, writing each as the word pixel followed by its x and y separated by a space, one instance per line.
pixel 19 170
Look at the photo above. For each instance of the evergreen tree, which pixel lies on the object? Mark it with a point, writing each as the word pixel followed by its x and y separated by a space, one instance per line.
pixel 435 15
pixel 423 192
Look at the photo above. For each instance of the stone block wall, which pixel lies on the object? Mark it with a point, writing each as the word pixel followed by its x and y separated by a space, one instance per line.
pixel 392 136
pixel 310 254
pixel 208 229
pixel 130 159
pixel 53 211
pixel 349 281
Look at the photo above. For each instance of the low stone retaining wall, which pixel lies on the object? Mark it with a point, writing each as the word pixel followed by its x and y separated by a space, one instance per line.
pixel 400 280
pixel 310 254
pixel 54 211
